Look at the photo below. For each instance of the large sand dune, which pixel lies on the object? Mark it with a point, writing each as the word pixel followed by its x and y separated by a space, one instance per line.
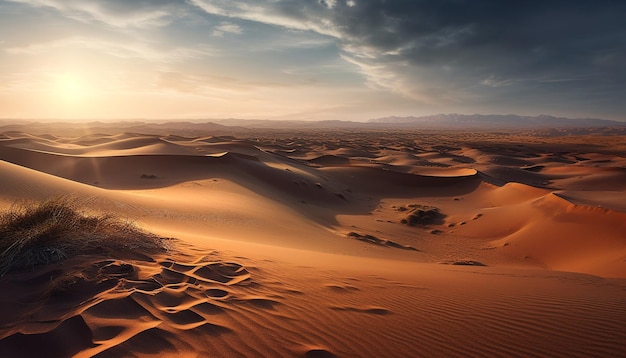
pixel 369 244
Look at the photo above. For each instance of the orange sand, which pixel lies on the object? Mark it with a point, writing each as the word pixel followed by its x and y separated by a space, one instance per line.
pixel 527 256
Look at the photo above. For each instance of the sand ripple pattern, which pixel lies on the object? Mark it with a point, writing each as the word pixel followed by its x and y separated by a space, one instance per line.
pixel 112 308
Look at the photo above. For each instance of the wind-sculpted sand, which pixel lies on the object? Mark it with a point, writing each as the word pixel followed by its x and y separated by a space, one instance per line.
pixel 327 244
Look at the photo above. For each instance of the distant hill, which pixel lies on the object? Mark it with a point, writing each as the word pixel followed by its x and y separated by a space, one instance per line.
pixel 544 125
pixel 493 121
pixel 289 124
pixel 439 121
pixel 75 128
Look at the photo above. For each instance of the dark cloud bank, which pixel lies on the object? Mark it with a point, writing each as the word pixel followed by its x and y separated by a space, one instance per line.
pixel 566 55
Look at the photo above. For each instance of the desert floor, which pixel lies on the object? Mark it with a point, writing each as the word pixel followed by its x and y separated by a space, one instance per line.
pixel 327 243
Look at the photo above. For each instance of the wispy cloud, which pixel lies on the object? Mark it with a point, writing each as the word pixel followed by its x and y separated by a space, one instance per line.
pixel 128 50
pixel 226 27
pixel 289 14
pixel 119 13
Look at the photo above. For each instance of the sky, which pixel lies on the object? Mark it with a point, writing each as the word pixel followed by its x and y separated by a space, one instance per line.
pixel 310 59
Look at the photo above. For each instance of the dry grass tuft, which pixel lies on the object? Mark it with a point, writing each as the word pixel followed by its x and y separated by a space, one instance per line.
pixel 421 215
pixel 53 230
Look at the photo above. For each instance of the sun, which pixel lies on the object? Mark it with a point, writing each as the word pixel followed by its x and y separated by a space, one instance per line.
pixel 71 87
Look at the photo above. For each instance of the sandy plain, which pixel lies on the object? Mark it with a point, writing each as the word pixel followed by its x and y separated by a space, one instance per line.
pixel 327 243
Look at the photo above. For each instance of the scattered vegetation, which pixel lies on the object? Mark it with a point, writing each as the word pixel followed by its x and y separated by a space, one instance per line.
pixel 53 230
pixel 468 263
pixel 380 242
pixel 463 263
pixel 420 215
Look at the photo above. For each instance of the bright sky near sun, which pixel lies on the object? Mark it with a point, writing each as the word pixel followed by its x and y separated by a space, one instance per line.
pixel 315 59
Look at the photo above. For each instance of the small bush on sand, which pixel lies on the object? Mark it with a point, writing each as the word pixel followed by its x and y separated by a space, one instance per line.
pixel 53 230
pixel 421 215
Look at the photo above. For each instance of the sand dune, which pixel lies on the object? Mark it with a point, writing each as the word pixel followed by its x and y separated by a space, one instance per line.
pixel 374 244
pixel 214 307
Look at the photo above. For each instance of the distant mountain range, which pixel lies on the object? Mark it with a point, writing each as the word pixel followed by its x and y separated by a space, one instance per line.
pixel 547 125
pixel 493 121
pixel 439 121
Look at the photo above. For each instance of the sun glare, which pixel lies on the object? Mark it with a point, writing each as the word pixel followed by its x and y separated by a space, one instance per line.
pixel 71 87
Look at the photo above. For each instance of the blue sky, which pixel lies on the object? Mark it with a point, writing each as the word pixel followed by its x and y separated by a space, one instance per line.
pixel 310 59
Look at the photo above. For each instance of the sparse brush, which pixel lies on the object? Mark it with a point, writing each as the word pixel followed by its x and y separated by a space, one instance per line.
pixel 53 230
pixel 420 215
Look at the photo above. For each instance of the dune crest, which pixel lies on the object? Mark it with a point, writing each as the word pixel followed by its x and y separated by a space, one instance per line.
pixel 308 243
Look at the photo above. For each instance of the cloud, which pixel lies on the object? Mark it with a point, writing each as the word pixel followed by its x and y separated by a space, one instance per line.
pixel 289 14
pixel 549 54
pixel 126 50
pixel 226 27
pixel 454 50
pixel 118 13
pixel 204 84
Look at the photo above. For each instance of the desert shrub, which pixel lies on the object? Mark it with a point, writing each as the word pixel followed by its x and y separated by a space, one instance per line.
pixel 53 230
pixel 420 215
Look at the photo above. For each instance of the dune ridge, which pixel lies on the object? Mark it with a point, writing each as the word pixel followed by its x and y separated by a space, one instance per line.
pixel 300 245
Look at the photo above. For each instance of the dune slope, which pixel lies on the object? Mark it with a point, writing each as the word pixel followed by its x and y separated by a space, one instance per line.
pixel 373 244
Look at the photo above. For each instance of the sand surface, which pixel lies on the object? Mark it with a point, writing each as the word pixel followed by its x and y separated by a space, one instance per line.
pixel 328 244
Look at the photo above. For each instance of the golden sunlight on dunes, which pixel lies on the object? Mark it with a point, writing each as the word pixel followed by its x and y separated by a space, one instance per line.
pixel 307 245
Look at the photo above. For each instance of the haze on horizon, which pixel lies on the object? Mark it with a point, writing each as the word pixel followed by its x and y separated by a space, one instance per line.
pixel 326 59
